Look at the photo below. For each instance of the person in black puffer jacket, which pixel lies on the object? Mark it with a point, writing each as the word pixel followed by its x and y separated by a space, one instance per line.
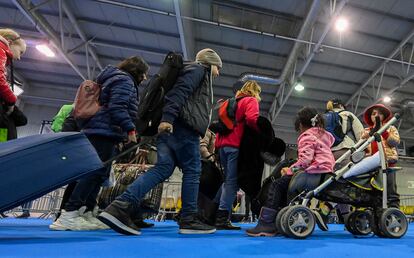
pixel 113 123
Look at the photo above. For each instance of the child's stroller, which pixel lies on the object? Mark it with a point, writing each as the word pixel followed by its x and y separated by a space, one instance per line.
pixel 363 188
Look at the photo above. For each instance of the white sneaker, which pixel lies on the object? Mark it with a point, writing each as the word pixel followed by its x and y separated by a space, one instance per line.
pixel 71 220
pixel 89 216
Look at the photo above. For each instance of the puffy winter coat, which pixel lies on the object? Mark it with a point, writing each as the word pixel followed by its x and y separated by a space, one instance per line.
pixel 190 100
pixel 314 152
pixel 390 140
pixel 6 94
pixel 119 105
pixel 247 113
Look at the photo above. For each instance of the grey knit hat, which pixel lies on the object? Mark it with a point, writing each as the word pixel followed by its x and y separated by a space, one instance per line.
pixel 209 56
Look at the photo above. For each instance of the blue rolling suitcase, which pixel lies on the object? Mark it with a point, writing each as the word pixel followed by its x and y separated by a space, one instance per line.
pixel 33 166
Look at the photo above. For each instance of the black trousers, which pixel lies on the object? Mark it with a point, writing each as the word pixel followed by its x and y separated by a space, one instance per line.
pixel 392 194
pixel 87 189
pixel 284 189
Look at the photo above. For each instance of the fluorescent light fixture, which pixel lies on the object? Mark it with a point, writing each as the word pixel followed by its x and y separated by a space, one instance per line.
pixel 45 50
pixel 299 86
pixel 17 90
pixel 387 99
pixel 341 24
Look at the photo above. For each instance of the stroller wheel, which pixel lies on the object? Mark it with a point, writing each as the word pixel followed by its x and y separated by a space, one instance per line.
pixel 359 223
pixel 393 223
pixel 299 222
pixel 279 225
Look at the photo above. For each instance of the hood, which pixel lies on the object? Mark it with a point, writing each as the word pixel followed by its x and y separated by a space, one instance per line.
pixel 4 45
pixel 109 72
pixel 368 112
pixel 321 134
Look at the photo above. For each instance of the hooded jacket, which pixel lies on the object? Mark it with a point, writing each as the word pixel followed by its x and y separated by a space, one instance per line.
pixel 6 94
pixel 390 138
pixel 314 152
pixel 119 105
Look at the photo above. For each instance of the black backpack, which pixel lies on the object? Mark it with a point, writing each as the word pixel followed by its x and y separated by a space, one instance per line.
pixel 151 101
pixel 223 119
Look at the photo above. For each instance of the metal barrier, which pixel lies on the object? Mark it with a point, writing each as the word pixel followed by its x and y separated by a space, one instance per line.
pixel 47 205
pixel 407 206
pixel 170 200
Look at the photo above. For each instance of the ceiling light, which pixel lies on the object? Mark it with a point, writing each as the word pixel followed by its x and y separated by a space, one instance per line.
pixel 387 99
pixel 45 50
pixel 299 86
pixel 341 24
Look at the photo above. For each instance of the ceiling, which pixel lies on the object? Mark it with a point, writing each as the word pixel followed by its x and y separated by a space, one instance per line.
pixel 286 40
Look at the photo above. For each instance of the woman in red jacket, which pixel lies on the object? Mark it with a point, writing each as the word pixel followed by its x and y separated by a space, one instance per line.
pixel 228 145
pixel 11 48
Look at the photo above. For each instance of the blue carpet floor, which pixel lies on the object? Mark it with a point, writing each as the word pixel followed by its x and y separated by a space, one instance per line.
pixel 32 238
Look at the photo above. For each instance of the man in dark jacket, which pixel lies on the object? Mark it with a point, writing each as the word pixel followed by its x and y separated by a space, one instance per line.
pixel 186 117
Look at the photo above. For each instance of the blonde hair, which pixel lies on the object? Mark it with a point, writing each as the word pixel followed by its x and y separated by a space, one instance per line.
pixel 250 88
pixel 329 105
pixel 11 36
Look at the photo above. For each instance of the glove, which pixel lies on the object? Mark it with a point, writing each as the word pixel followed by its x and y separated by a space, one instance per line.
pixel 132 137
pixel 165 127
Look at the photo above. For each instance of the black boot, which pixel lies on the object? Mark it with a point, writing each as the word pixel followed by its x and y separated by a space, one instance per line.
pixel 266 225
pixel 118 217
pixel 223 221
pixel 191 224
pixel 140 223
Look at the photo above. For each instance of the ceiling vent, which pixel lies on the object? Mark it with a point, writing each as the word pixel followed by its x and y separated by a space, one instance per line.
pixel 245 16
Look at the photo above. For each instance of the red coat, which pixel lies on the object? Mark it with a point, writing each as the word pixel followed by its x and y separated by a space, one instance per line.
pixel 247 113
pixel 6 94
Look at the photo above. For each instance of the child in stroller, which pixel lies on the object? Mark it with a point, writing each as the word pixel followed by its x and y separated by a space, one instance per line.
pixel 362 183
pixel 314 158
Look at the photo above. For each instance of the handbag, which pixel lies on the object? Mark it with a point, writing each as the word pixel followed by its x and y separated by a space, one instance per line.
pixel 125 174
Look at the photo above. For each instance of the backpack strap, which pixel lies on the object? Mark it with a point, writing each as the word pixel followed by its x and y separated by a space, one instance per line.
pixel 349 126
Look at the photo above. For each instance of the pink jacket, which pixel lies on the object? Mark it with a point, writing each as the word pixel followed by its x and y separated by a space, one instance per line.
pixel 247 113
pixel 314 152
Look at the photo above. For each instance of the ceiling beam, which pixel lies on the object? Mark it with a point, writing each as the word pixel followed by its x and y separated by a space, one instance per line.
pixel 391 91
pixel 180 28
pixel 46 29
pixel 277 107
pixel 81 33
pixel 131 47
pixel 381 66
pixel 304 30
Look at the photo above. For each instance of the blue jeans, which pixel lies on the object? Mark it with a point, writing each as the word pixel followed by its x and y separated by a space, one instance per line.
pixel 227 194
pixel 182 149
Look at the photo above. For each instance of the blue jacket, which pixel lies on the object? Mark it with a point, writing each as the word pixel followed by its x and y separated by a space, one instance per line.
pixel 119 105
pixel 190 100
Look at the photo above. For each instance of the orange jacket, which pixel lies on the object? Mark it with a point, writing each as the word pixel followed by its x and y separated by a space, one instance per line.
pixel 390 140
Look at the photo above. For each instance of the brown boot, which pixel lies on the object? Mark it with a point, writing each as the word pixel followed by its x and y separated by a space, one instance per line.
pixel 266 225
